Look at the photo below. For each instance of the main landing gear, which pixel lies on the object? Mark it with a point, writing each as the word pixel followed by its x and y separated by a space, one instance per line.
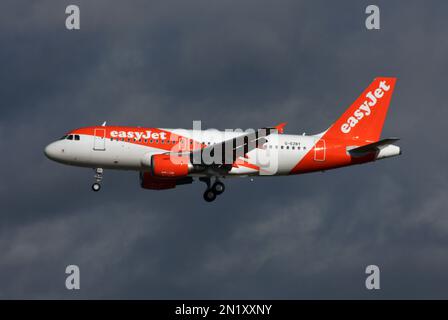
pixel 212 190
pixel 98 177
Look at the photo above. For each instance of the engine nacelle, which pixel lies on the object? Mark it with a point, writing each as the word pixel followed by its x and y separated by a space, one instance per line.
pixel 170 166
pixel 148 181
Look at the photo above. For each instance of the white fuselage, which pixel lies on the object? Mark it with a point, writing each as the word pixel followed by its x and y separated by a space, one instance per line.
pixel 279 155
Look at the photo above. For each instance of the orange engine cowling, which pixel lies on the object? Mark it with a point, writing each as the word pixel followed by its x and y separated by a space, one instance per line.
pixel 170 166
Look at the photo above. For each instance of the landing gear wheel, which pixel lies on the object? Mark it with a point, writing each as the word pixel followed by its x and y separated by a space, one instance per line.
pixel 209 195
pixel 96 187
pixel 218 187
pixel 98 177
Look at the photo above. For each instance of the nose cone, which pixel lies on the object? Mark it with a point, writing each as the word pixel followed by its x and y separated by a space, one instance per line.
pixel 51 151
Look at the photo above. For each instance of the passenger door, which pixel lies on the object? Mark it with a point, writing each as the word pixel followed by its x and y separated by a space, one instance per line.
pixel 99 140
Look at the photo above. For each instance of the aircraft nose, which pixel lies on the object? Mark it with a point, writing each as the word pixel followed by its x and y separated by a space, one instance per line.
pixel 51 151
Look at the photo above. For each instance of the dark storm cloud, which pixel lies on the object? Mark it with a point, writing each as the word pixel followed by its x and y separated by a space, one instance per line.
pixel 230 64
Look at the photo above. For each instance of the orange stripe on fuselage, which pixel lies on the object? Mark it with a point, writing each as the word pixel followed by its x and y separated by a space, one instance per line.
pixel 336 156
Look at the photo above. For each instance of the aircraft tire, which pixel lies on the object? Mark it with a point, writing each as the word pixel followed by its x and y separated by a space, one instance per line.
pixel 209 195
pixel 218 187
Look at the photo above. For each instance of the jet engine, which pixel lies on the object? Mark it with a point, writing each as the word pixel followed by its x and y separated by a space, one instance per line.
pixel 170 166
pixel 148 181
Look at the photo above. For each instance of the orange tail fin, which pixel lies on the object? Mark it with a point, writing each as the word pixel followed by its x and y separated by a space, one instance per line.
pixel 364 119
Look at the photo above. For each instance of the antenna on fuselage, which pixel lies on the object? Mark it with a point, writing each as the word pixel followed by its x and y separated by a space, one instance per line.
pixel 104 124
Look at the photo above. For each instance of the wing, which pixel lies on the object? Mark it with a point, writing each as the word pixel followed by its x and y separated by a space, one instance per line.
pixel 229 150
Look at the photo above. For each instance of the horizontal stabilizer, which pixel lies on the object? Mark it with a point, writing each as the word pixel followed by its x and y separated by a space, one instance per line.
pixel 371 147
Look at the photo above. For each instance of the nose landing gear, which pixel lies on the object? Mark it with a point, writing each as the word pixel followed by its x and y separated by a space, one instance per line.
pixel 98 177
pixel 212 190
pixel 96 187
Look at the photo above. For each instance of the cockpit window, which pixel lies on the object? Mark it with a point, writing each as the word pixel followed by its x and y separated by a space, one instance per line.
pixel 77 137
pixel 64 137
pixel 70 137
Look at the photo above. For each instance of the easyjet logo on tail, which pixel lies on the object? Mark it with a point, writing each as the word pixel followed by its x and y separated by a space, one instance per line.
pixel 365 109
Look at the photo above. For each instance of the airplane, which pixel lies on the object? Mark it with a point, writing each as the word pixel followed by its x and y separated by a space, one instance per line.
pixel 167 158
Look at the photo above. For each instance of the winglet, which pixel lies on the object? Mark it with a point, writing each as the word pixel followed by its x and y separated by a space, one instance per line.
pixel 280 127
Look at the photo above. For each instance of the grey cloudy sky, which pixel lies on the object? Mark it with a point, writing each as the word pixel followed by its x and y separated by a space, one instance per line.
pixel 229 63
